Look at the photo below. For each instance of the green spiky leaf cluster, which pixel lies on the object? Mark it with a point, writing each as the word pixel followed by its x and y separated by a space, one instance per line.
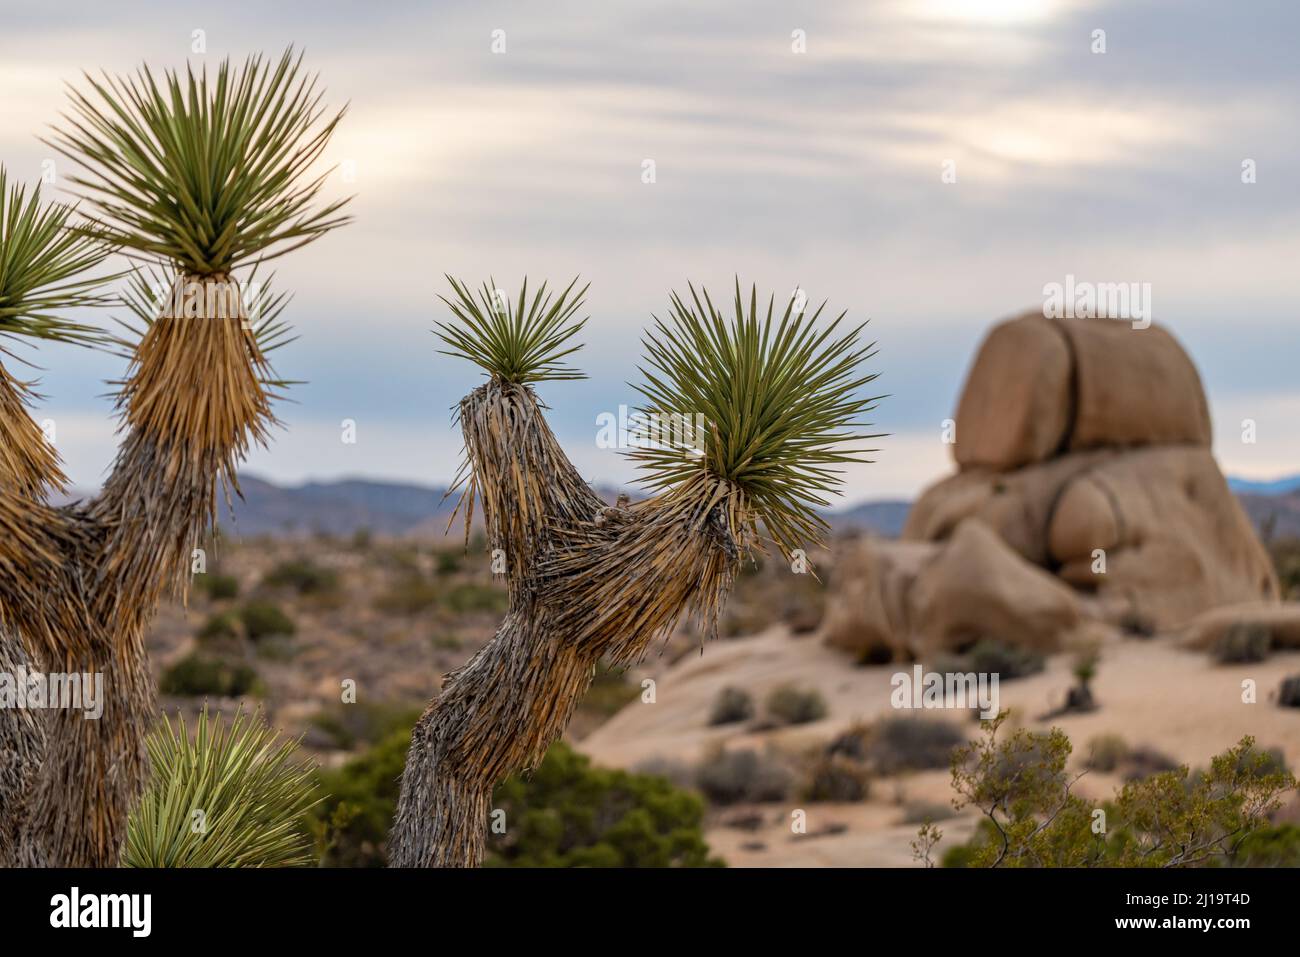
pixel 232 797
pixel 520 342
pixel 39 260
pixel 204 175
pixel 779 399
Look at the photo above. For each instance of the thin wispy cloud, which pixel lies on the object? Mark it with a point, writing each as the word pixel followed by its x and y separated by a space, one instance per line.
pixel 821 168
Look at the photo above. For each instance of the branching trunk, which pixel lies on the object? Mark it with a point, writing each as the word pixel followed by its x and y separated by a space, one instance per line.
pixel 586 582
pixel 192 404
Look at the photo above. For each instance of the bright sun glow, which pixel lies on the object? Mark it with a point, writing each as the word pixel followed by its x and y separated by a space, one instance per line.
pixel 990 11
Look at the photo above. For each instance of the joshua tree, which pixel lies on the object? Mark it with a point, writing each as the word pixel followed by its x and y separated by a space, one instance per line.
pixel 205 179
pixel 42 275
pixel 588 581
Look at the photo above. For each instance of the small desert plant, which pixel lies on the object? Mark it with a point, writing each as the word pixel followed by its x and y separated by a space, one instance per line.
pixel 1242 643
pixel 791 705
pixel 221 625
pixel 232 797
pixel 410 596
pixel 1288 696
pixel 1031 818
pixel 262 619
pixel 199 674
pixel 836 779
pixel 568 813
pixel 469 598
pixel 906 743
pixel 731 705
pixel 304 576
pixel 729 777
pixel 1005 660
pixel 1106 753
pixel 218 587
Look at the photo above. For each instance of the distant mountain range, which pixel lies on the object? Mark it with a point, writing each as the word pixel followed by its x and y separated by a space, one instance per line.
pixel 391 508
pixel 1282 486
pixel 346 506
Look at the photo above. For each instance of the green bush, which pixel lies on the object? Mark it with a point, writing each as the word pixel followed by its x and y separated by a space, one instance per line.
pixel 262 618
pixel 477 598
pixel 609 692
pixel 731 705
pixel 565 814
pixel 409 596
pixel 304 576
pixel 360 800
pixel 221 625
pixel 218 587
pixel 198 674
pixel 448 563
pixel 792 705
pixel 570 814
pixel 1032 818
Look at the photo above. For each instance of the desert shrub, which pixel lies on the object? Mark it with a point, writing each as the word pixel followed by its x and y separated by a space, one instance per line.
pixel 447 563
pixel 1144 761
pixel 468 597
pixel 1136 625
pixel 1106 753
pixel 836 779
pixel 361 539
pixel 199 674
pixel 731 705
pixel 1242 644
pixel 911 742
pixel 409 596
pixel 218 587
pixel 348 726
pixel 359 801
pixel 1032 818
pixel 609 692
pixel 262 618
pixel 989 656
pixel 851 743
pixel 919 812
pixel 221 625
pixel 253 792
pixel 791 705
pixel 1288 696
pixel 729 777
pixel 1275 846
pixel 568 813
pixel 446 641
pixel 1286 558
pixel 303 576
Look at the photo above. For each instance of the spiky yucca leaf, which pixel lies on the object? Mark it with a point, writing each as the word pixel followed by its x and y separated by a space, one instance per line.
pixel 204 175
pixel 778 400
pixel 232 797
pixel 40 261
pixel 520 342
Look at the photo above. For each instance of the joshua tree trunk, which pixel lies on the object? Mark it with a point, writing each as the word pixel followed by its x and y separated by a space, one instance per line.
pixel 586 582
pixel 191 404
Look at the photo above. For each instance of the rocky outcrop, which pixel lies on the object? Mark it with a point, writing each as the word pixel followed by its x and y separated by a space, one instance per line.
pixel 1085 486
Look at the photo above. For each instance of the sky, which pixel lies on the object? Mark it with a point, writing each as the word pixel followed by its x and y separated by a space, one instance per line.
pixel 794 144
